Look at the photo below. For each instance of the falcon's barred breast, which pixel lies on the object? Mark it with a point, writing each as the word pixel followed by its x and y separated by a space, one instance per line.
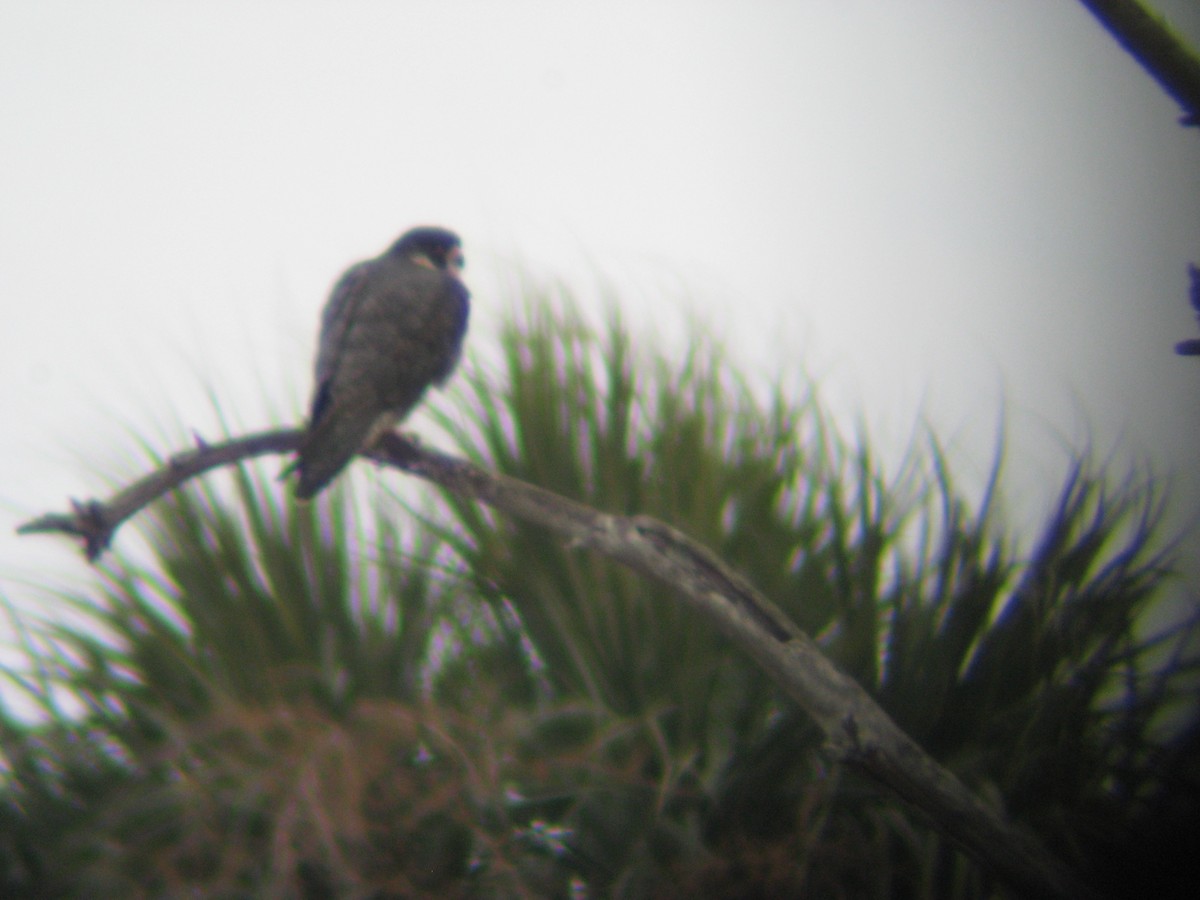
pixel 393 326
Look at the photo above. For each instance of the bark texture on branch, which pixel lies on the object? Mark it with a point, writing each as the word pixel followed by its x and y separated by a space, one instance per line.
pixel 856 729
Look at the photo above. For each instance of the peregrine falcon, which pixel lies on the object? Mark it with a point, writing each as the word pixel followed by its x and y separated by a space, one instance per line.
pixel 393 326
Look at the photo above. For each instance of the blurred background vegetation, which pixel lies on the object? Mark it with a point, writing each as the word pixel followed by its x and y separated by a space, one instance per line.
pixel 376 697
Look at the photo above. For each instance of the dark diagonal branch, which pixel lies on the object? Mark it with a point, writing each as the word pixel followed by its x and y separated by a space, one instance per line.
pixel 1168 61
pixel 857 730
pixel 1160 52
pixel 1191 347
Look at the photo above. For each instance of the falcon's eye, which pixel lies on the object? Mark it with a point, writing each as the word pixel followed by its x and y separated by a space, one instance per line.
pixel 456 260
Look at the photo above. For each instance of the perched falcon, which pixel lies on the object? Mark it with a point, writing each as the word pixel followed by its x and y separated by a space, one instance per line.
pixel 393 326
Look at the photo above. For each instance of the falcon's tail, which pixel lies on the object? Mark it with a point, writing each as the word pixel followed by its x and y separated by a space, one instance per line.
pixel 328 446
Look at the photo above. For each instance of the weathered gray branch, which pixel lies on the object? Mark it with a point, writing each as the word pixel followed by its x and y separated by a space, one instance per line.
pixel 95 522
pixel 857 730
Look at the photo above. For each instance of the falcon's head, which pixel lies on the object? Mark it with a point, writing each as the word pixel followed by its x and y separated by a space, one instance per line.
pixel 436 248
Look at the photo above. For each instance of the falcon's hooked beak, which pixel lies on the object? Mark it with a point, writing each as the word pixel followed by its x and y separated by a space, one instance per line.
pixel 454 262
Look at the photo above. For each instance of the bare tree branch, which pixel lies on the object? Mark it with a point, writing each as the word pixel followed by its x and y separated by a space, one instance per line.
pixel 95 522
pixel 1161 53
pixel 857 730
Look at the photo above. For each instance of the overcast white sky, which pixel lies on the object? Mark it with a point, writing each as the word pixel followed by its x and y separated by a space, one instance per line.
pixel 933 206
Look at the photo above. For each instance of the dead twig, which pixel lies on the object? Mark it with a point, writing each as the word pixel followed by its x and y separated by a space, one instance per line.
pixel 96 521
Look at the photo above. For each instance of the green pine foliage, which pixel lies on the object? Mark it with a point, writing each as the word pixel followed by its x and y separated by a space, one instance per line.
pixel 361 698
